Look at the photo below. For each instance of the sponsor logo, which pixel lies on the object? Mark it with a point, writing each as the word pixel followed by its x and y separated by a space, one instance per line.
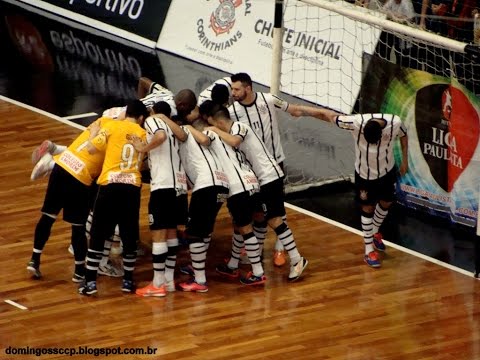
pixel 121 178
pixel 219 32
pixel 72 162
pixel 222 19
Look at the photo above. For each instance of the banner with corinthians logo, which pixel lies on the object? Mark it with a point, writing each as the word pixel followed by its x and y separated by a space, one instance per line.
pixel 319 47
pixel 443 122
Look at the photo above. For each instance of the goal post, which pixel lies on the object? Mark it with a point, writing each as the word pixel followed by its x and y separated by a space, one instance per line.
pixel 354 60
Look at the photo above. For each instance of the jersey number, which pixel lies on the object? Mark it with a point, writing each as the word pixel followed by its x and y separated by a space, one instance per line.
pixel 128 153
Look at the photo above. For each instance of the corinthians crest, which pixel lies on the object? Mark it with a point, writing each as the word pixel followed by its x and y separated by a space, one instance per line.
pixel 222 19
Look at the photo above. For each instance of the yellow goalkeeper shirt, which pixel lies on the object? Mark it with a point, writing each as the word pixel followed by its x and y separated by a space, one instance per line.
pixel 82 165
pixel 122 162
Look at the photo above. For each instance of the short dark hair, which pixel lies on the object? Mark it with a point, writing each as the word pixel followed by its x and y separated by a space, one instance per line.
pixel 244 78
pixel 220 94
pixel 162 107
pixel 372 131
pixel 220 111
pixel 135 109
pixel 205 108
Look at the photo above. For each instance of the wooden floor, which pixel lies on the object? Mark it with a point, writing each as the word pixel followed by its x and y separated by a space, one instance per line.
pixel 340 309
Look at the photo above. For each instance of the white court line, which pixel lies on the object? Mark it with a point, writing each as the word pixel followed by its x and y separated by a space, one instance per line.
pixel 79 116
pixel 293 207
pixel 44 113
pixel 16 304
pixel 393 245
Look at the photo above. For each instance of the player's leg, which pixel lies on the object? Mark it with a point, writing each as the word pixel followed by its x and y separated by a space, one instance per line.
pixel 204 206
pixel 386 187
pixel 128 224
pixel 53 203
pixel 366 197
pixel 163 225
pixel 103 224
pixel 273 198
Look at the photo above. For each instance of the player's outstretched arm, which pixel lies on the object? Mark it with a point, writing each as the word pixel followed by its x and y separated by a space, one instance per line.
pixel 316 112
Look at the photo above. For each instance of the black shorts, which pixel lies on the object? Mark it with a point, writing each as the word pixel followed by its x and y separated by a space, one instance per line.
pixel 271 199
pixel 369 192
pixel 116 204
pixel 202 212
pixel 67 193
pixel 166 210
pixel 241 207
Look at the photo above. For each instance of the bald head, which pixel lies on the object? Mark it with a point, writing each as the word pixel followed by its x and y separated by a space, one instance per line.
pixel 185 101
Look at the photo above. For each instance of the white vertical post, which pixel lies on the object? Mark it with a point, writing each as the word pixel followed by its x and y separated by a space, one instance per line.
pixel 277 48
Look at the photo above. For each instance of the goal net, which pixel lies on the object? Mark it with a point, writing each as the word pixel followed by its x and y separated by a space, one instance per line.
pixel 341 56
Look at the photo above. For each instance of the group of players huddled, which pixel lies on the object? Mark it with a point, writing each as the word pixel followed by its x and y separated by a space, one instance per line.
pixel 223 148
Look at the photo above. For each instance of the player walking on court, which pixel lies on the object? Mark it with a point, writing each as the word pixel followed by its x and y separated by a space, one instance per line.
pixel 375 170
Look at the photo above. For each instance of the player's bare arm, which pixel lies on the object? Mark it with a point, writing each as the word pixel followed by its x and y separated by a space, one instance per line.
pixel 229 139
pixel 404 145
pixel 158 138
pixel 176 129
pixel 143 88
pixel 316 112
pixel 94 128
pixel 199 137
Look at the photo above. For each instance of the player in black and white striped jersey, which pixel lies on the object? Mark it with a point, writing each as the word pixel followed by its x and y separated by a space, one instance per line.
pixel 168 203
pixel 270 177
pixel 259 111
pixel 241 204
pixel 207 93
pixel 375 170
pixel 209 185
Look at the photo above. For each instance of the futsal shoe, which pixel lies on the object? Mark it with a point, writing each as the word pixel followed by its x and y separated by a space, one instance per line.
pixel 193 286
pixel 225 271
pixel 110 270
pixel 372 259
pixel 45 147
pixel 251 279
pixel 151 290
pixel 128 286
pixel 87 288
pixel 42 168
pixel 34 268
pixel 297 269
pixel 378 242
pixel 279 258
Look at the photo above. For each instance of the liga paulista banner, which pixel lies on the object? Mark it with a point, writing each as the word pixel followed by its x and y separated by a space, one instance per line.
pixel 322 59
pixel 443 121
pixel 139 17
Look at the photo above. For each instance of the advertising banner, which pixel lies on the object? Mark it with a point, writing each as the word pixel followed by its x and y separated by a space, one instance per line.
pixel 140 17
pixel 443 122
pixel 322 59
pixel 75 71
